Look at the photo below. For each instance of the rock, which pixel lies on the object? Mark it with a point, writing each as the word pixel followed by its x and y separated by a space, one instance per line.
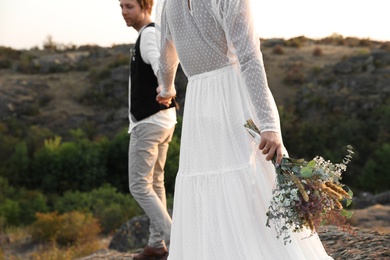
pixel 366 244
pixel 132 235
pixel 366 200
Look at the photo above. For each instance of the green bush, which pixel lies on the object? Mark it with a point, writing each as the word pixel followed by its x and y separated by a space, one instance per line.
pixel 73 200
pixel 107 200
pixel 18 165
pixel 10 211
pixel 31 202
pixel 376 172
pixel 9 208
pixel 109 206
pixel 172 164
pixel 117 161
pixel 112 217
pixel 18 206
pixel 59 167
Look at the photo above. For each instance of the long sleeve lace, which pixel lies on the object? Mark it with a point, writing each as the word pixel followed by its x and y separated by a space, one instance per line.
pixel 240 32
pixel 168 56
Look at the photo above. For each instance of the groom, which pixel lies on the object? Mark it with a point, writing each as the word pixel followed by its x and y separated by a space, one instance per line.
pixel 151 128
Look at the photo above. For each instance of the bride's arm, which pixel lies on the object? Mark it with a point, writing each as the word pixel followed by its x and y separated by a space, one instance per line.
pixel 237 19
pixel 169 60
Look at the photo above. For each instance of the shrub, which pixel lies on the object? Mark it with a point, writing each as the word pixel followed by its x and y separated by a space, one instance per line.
pixel 385 46
pixel 77 228
pixel 376 172
pixel 31 202
pixel 112 217
pixel 317 52
pixel 59 167
pixel 109 206
pixel 296 42
pixel 120 59
pixel 10 211
pixel 67 229
pixel 73 200
pixel 27 64
pixel 117 161
pixel 107 200
pixel 365 43
pixel 295 76
pixel 7 56
pixel 172 164
pixel 278 49
pixel 18 165
pixel 18 206
pixel 46 227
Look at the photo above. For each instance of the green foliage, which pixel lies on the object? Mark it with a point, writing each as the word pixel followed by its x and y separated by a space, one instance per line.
pixel 7 148
pixel 31 202
pixel 59 167
pixel 18 165
pixel 172 164
pixel 10 211
pixel 9 208
pixel 376 175
pixel 18 206
pixel 109 206
pixel 117 161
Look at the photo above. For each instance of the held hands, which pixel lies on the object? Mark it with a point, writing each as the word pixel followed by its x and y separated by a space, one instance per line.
pixel 271 144
pixel 166 101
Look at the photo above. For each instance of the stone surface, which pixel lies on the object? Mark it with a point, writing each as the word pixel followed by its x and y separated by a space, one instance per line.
pixel 340 245
pixel 365 244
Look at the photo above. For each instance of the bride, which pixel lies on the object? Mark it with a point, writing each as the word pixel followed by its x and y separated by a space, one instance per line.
pixel 222 191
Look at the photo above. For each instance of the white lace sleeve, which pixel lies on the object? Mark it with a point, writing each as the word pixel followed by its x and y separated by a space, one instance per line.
pixel 238 24
pixel 168 55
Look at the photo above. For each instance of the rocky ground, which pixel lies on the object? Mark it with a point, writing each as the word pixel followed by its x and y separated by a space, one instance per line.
pixel 367 244
pixel 372 239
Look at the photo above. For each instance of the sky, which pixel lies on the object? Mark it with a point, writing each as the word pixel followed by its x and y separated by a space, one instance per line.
pixel 28 23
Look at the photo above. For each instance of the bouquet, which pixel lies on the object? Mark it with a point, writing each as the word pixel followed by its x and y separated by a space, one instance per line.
pixel 307 194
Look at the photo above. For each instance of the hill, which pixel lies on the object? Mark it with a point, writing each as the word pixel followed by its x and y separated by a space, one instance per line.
pixel 87 86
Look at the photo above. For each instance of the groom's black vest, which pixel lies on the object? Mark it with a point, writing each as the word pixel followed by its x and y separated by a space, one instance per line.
pixel 143 86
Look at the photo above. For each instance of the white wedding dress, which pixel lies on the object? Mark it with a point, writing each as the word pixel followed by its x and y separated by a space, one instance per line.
pixel 223 187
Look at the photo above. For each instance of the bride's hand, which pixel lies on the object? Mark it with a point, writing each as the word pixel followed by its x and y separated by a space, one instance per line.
pixel 271 144
pixel 166 101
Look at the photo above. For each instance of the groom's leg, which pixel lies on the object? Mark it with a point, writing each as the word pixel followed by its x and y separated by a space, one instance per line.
pixel 143 154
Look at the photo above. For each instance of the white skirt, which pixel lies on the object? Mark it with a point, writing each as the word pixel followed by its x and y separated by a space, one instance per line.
pixel 224 186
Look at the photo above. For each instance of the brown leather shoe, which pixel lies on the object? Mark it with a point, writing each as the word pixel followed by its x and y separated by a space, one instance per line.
pixel 152 253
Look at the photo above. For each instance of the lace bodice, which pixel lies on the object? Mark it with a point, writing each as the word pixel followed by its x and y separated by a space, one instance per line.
pixel 209 34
